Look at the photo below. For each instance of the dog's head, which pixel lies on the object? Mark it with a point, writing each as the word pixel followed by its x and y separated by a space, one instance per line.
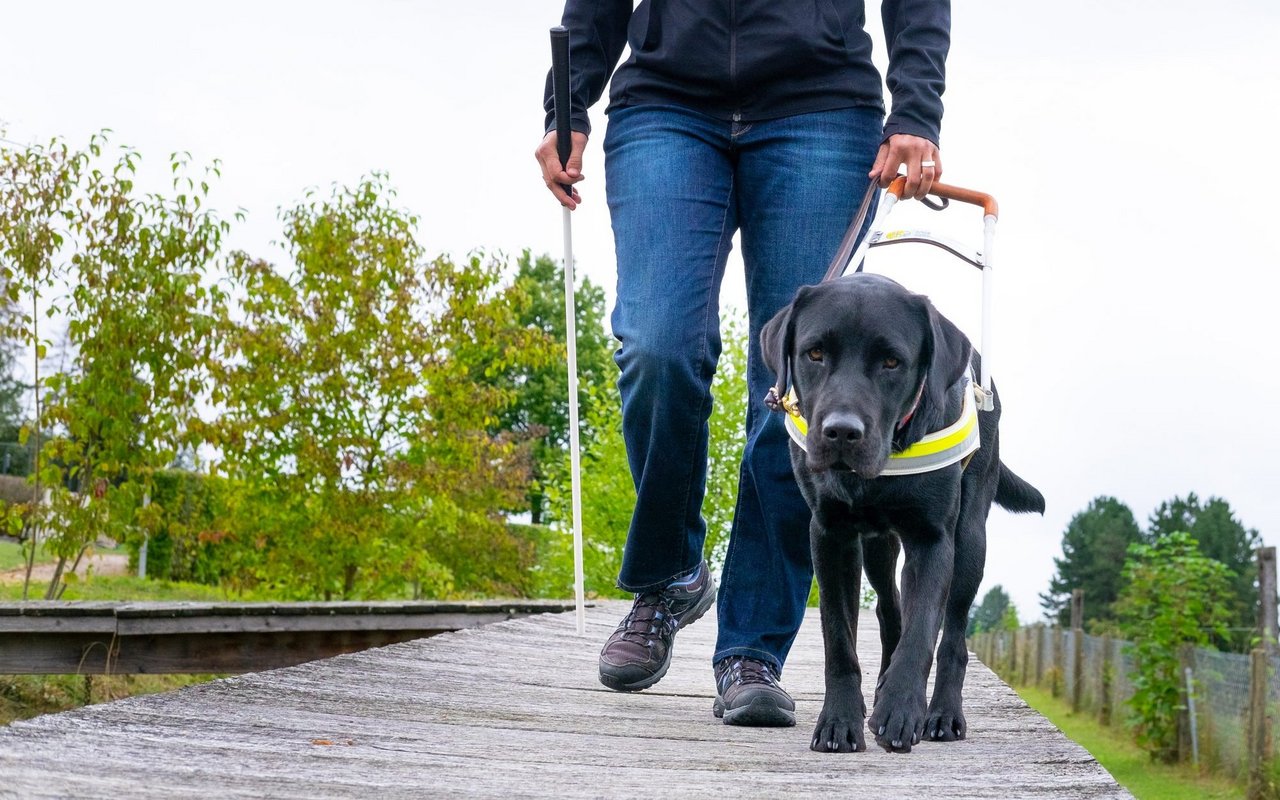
pixel 870 363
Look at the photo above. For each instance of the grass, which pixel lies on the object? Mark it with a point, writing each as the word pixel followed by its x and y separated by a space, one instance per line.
pixel 1129 764
pixel 11 556
pixel 131 588
pixel 26 696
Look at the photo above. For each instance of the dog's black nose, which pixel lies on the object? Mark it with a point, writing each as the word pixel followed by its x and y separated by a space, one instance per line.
pixel 843 428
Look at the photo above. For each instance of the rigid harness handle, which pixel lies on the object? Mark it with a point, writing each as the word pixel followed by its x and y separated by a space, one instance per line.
pixel 989 205
pixel 991 212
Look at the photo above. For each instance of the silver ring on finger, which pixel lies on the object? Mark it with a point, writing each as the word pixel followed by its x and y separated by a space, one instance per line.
pixel 926 165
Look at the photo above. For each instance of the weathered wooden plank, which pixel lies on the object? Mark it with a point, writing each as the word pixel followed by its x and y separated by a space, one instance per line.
pixel 80 608
pixel 215 623
pixel 38 638
pixel 515 709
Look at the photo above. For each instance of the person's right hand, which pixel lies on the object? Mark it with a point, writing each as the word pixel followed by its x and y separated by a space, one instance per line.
pixel 557 178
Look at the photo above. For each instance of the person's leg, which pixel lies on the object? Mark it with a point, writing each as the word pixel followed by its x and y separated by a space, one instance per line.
pixel 799 183
pixel 669 178
pixel 670 190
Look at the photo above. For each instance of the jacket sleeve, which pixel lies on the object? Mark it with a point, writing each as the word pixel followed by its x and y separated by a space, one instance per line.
pixel 597 34
pixel 918 36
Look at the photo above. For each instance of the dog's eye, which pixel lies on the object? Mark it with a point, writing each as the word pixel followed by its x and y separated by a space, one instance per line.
pixel 815 354
pixel 891 363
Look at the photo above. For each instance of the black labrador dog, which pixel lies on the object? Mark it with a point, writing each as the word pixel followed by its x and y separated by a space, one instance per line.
pixel 873 369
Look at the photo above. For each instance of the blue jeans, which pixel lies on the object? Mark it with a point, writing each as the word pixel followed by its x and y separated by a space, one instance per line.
pixel 679 185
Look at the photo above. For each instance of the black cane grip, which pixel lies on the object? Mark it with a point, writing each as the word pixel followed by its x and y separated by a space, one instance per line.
pixel 560 94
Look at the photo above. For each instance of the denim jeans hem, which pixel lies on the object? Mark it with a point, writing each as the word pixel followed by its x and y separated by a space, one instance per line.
pixel 750 652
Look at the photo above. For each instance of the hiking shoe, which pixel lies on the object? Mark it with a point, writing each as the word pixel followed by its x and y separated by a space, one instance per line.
pixel 639 650
pixel 747 693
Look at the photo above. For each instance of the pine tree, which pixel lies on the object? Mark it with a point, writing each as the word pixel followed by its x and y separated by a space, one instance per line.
pixel 1093 555
pixel 993 612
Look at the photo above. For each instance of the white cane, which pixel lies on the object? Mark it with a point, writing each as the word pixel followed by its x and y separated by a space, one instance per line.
pixel 564 146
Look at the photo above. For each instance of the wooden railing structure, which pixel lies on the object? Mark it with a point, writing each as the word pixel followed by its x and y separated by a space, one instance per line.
pixel 113 638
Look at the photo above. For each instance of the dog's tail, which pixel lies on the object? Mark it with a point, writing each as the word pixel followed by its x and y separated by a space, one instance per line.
pixel 1016 495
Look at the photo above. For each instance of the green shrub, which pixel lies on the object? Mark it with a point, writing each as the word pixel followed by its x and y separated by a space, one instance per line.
pixel 1174 597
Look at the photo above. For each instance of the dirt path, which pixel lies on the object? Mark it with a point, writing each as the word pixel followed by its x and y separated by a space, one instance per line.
pixel 100 564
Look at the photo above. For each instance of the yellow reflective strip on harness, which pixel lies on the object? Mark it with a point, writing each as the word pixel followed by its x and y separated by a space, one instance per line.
pixel 930 453
pixel 929 445
pixel 799 421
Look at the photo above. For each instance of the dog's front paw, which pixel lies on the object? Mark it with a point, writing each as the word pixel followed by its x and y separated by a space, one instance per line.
pixel 838 732
pixel 945 724
pixel 898 721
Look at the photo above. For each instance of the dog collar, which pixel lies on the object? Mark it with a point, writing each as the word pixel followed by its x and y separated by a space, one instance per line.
pixel 939 449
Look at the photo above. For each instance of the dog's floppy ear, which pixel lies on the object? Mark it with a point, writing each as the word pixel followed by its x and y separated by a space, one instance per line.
pixel 778 339
pixel 946 357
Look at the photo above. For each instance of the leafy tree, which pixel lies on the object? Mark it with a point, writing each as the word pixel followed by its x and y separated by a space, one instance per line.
pixel 1221 537
pixel 36 188
pixel 14 456
pixel 1093 553
pixel 1174 596
pixel 12 388
pixel 138 321
pixel 359 391
pixel 727 437
pixel 994 613
pixel 541 390
pixel 608 500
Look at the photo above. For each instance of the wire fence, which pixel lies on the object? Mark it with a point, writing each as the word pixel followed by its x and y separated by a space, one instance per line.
pixel 1236 698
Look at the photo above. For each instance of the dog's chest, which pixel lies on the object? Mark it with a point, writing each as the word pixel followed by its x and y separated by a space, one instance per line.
pixel 879 506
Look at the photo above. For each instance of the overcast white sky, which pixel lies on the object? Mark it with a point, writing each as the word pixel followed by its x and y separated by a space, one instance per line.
pixel 1130 145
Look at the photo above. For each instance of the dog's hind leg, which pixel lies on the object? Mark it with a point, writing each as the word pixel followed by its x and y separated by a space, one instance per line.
pixel 837 562
pixel 945 721
pixel 880 560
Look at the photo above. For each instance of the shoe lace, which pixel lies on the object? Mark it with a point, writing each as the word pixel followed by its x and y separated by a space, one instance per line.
pixel 650 618
pixel 744 671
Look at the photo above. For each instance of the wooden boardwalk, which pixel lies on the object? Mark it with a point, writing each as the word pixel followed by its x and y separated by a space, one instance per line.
pixel 514 709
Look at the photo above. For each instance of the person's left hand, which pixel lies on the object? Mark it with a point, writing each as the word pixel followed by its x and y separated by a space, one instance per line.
pixel 921 157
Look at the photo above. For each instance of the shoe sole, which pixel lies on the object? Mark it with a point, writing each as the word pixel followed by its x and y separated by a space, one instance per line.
pixel 691 616
pixel 761 712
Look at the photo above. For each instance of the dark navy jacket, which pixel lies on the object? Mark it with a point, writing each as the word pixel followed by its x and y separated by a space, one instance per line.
pixel 751 60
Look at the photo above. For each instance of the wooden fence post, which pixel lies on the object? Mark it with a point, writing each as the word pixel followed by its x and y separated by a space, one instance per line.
pixel 1077 608
pixel 1259 734
pixel 1011 662
pixel 1267 623
pixel 1104 682
pixel 1040 654
pixel 1025 660
pixel 1057 639
pixel 1077 669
